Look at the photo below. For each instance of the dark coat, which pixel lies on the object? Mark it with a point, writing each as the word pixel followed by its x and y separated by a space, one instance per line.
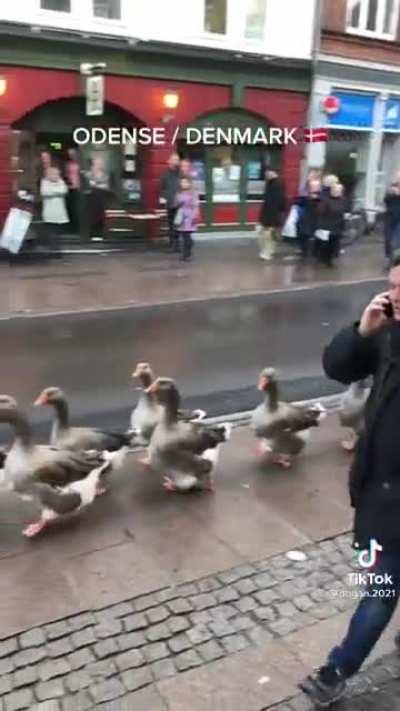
pixel 274 204
pixel 331 214
pixel 169 186
pixel 308 215
pixel 374 481
pixel 392 214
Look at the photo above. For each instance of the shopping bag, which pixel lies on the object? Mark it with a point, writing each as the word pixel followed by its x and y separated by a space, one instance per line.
pixel 289 229
pixel 15 229
pixel 322 235
pixel 178 219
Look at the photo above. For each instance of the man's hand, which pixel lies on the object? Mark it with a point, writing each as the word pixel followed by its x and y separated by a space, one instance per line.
pixel 374 316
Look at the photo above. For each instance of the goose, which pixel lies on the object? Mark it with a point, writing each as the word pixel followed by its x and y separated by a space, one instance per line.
pixel 78 438
pixel 185 452
pixel 282 427
pixel 29 466
pixel 351 412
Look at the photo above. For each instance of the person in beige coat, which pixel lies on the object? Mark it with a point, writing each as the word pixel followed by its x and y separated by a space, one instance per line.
pixel 53 191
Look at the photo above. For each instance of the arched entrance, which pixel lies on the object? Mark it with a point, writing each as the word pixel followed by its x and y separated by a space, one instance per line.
pixel 50 127
pixel 230 178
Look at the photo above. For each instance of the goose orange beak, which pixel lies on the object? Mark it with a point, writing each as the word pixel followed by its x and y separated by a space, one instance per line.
pixel 41 400
pixel 263 383
pixel 152 388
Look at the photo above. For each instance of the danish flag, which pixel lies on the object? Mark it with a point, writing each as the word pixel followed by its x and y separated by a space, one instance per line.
pixel 315 135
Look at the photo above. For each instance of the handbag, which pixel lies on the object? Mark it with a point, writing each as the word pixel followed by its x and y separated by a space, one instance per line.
pixel 322 235
pixel 289 229
pixel 179 216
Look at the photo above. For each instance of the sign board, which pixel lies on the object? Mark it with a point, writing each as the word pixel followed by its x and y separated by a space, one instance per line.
pixel 15 229
pixel 356 110
pixel 392 115
pixel 94 95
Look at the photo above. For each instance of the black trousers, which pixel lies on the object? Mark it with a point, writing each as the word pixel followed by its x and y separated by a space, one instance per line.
pixel 187 244
pixel 172 233
pixel 328 251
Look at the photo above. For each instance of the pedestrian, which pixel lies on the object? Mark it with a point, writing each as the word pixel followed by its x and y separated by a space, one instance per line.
pixel 331 212
pixel 53 191
pixel 169 187
pixel 271 214
pixel 328 179
pixel 392 220
pixel 99 191
pixel 308 215
pixel 186 217
pixel 73 180
pixel 370 347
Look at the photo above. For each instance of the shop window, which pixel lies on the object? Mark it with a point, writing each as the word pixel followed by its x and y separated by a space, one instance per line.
pixel 374 18
pixel 56 5
pixel 255 19
pixel 109 9
pixel 215 16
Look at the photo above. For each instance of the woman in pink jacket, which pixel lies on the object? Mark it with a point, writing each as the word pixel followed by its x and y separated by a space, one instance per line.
pixel 186 216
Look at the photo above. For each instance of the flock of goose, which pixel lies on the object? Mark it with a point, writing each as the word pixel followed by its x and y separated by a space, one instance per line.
pixel 66 475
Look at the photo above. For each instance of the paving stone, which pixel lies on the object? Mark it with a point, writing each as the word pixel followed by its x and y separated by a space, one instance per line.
pixel 203 601
pixel 59 648
pixel 266 597
pixel 25 677
pixel 303 602
pixel 221 628
pixel 77 702
pixel 319 595
pixel 200 618
pixel 121 610
pixel 199 634
pixel 288 590
pixel 322 612
pixel 135 622
pixel 167 594
pixel 208 585
pixel 209 651
pixel 163 669
pixel 129 660
pixel 303 619
pixel 230 576
pixel 57 630
pixel 180 606
pixel 6 684
pixel 188 589
pixel 50 690
pixel 243 622
pixel 180 643
pixel 107 691
pixel 285 609
pixel 244 571
pixel 228 594
pixel 136 678
pixel 33 638
pixel 283 574
pixel 265 614
pixel 51 705
pixel 225 612
pixel 187 660
pixel 279 562
pixel 6 665
pixel 259 636
pixel 81 658
pixel 301 703
pixel 263 581
pixel 158 632
pixel 154 652
pixel 8 646
pixel 145 602
pixel 178 624
pixel 53 668
pixel 108 628
pixel 246 586
pixel 83 638
pixel 132 640
pixel 77 681
pixel 80 622
pixel 28 657
pixel 246 604
pixel 283 627
pixel 157 614
pixel 19 700
pixel 235 643
pixel 106 648
pixel 102 669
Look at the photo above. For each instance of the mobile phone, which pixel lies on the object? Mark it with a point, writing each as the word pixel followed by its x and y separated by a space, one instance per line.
pixel 388 309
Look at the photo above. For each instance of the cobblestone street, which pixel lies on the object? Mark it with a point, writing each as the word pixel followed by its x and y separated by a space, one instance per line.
pixel 100 656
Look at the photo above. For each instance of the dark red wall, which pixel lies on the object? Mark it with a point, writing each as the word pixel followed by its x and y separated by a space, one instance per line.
pixel 28 88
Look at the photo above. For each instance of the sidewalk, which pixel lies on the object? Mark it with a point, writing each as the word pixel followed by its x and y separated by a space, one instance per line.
pixel 153 602
pixel 222 268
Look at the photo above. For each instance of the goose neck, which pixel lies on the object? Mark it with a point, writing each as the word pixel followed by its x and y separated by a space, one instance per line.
pixel 62 413
pixel 271 397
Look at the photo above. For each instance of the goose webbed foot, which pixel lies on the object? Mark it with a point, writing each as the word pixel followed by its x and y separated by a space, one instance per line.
pixel 283 460
pixel 34 529
pixel 169 484
pixel 100 490
pixel 145 461
pixel 349 445
pixel 263 449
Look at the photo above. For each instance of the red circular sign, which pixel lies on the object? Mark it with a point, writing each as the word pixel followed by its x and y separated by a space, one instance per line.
pixel 331 104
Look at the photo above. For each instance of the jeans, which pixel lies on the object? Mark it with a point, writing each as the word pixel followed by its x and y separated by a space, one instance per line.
pixel 266 241
pixel 187 244
pixel 371 617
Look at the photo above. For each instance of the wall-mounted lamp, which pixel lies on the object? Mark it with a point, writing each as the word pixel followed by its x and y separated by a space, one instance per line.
pixel 3 86
pixel 171 100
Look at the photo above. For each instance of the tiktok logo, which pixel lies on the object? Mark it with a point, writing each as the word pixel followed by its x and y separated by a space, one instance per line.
pixel 369 557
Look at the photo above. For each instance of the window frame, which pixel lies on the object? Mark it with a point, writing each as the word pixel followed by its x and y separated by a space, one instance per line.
pixel 245 20
pixel 362 30
pixel 218 35
pixel 57 13
pixel 101 18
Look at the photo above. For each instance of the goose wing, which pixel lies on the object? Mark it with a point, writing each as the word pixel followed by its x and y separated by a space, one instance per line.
pixel 86 438
pixel 58 467
pixel 289 418
pixel 62 503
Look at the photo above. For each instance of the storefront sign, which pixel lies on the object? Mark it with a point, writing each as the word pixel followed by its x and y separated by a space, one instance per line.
pixel 355 110
pixel 331 105
pixel 392 115
pixel 94 95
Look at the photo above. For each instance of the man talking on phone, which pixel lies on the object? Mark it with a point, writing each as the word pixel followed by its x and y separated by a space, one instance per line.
pixel 370 347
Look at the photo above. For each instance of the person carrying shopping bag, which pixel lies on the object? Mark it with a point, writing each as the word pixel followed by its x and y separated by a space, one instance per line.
pixel 271 215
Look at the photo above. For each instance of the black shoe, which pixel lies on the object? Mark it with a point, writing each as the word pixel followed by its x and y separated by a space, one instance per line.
pixel 324 687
